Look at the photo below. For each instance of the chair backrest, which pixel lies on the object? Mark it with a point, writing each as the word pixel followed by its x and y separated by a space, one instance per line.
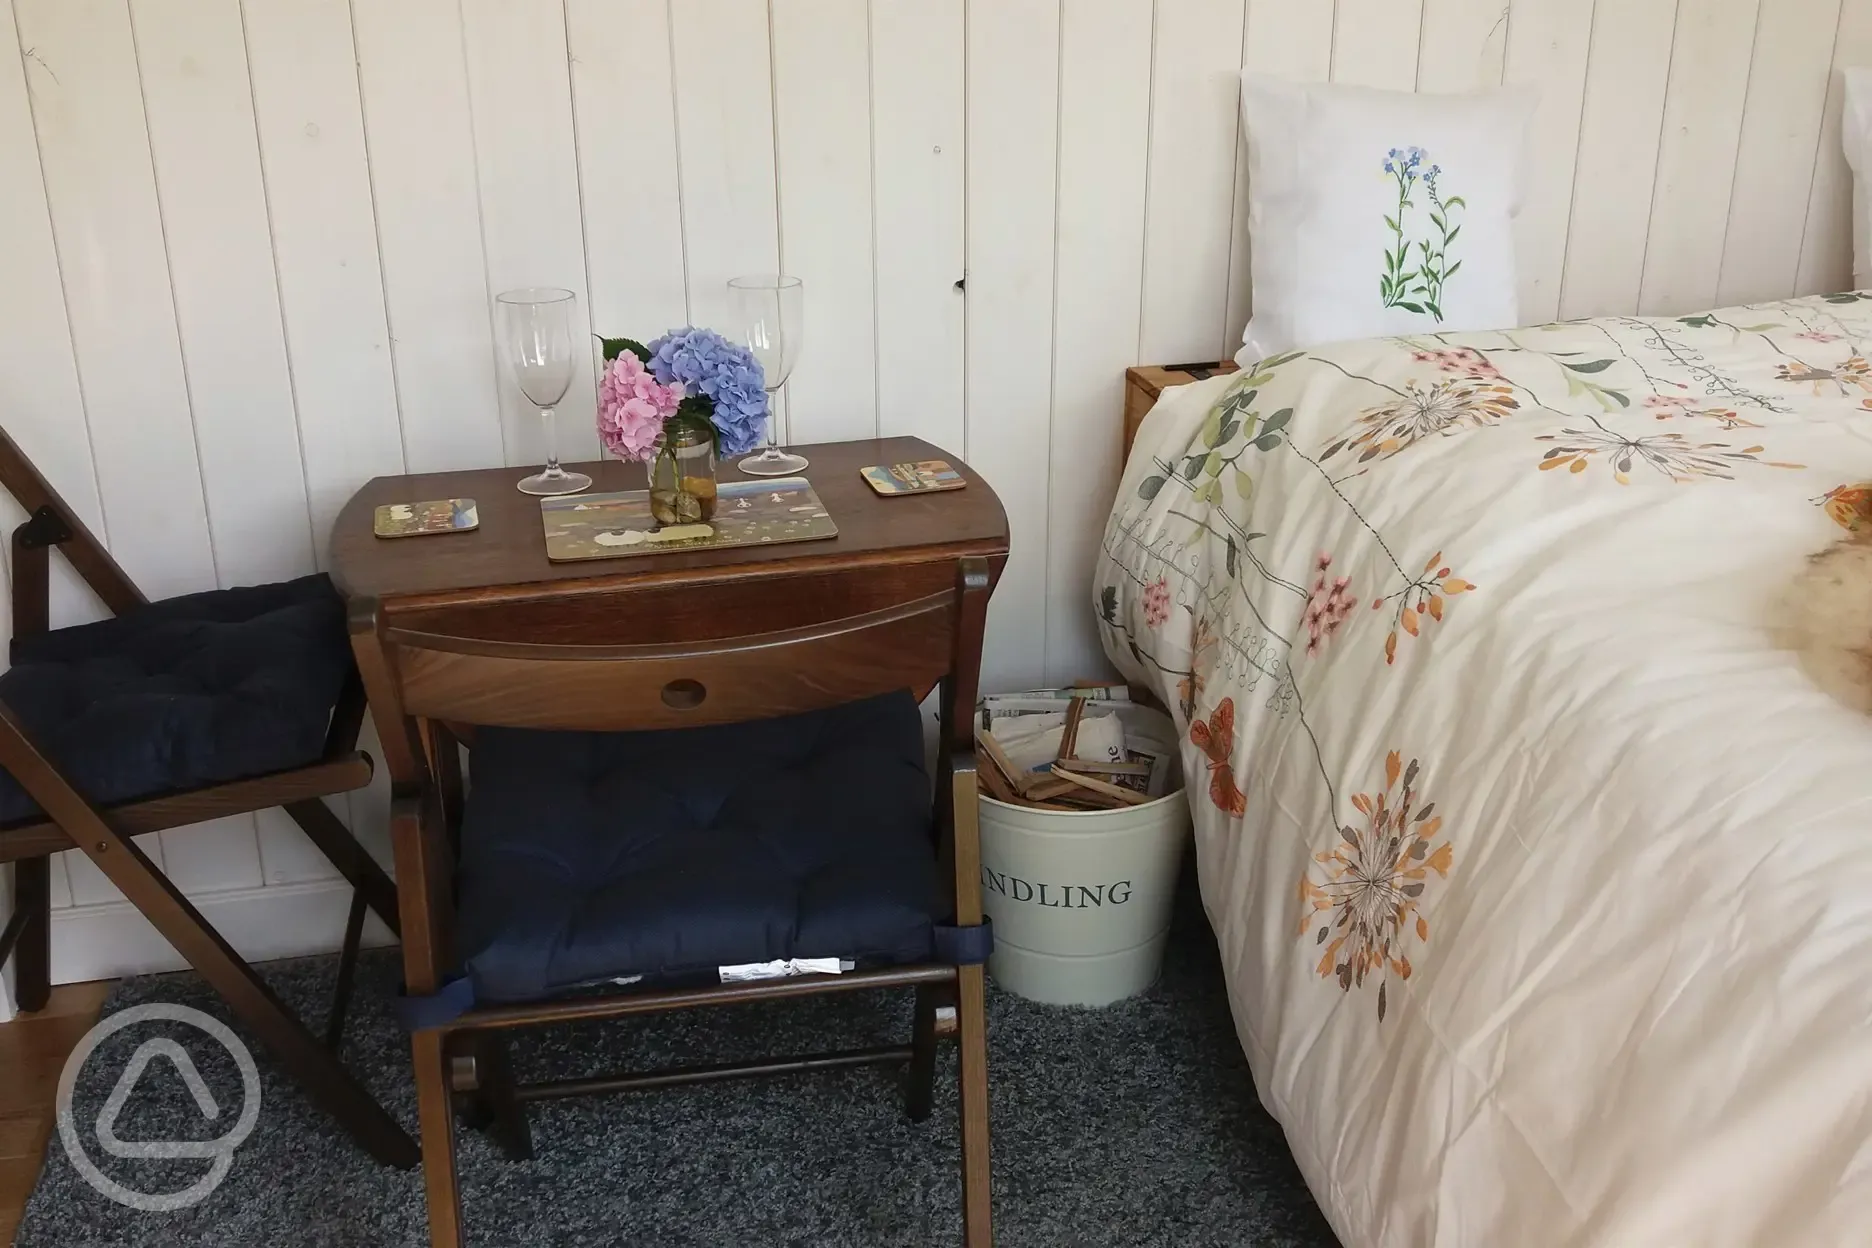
pixel 529 685
pixel 52 523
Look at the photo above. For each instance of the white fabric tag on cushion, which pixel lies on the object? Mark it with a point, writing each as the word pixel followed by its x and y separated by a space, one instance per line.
pixel 1380 213
pixel 781 968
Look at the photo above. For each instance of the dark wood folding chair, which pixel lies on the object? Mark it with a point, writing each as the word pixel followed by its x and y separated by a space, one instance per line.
pixel 66 819
pixel 430 672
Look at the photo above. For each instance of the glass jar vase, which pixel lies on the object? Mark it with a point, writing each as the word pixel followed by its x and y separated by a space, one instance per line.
pixel 682 474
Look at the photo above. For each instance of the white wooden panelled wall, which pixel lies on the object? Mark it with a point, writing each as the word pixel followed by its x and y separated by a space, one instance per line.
pixel 248 248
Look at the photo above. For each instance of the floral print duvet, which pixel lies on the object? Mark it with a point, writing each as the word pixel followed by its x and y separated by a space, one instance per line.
pixel 1542 879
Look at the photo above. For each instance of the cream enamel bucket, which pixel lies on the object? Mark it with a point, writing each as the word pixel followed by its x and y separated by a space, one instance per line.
pixel 1080 900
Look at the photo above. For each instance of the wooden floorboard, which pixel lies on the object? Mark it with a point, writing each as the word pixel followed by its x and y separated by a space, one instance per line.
pixel 33 1049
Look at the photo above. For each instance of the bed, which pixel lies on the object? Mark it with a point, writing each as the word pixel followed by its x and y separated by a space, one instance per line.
pixel 1542 879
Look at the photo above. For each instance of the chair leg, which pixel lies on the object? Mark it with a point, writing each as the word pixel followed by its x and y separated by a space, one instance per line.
pixel 508 1117
pixel 435 1107
pixel 347 971
pixel 32 902
pixel 327 1083
pixel 920 1082
pixel 360 870
pixel 972 1022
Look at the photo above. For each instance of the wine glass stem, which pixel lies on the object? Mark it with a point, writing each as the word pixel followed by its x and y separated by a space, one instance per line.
pixel 548 418
pixel 773 423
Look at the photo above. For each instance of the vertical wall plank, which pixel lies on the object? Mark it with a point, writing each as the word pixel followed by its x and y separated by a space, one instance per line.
pixel 1547 45
pixel 1826 260
pixel 192 58
pixel 38 372
pixel 1292 39
pixel 1375 43
pixel 822 137
pixel 520 96
pixel 724 131
pixel 1104 141
pixel 1710 57
pixel 1189 198
pixel 1620 126
pixel 94 145
pixel 420 140
pixel 1464 45
pixel 39 391
pixel 1012 93
pixel 916 175
pixel 626 124
pixel 1775 156
pixel 303 65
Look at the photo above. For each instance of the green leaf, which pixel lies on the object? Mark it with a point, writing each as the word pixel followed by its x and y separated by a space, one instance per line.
pixel 1431 306
pixel 1412 307
pixel 1761 329
pixel 1278 360
pixel 614 347
pixel 1230 428
pixel 1231 555
pixel 1209 492
pixel 1697 322
pixel 1244 485
pixel 1148 488
pixel 1455 201
pixel 1108 600
pixel 1452 270
pixel 1278 421
pixel 1619 395
pixel 1267 442
pixel 1213 465
pixel 1451 236
pixel 1391 225
pixel 1212 428
pixel 1436 219
pixel 1591 366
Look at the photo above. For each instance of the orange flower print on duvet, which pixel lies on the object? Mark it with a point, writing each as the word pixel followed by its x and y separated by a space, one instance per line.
pixel 1216 739
pixel 1423 599
pixel 1849 506
pixel 1364 905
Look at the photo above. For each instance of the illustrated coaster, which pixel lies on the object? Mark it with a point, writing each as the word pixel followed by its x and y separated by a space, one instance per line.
pixel 438 515
pixel 747 513
pixel 924 477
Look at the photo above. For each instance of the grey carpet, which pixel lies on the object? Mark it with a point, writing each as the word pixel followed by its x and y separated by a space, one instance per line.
pixel 1132 1125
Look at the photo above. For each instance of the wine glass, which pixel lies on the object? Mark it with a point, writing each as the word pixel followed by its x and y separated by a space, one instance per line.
pixel 770 314
pixel 536 330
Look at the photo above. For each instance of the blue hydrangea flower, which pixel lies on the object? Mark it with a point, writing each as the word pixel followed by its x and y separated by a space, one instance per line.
pixel 709 366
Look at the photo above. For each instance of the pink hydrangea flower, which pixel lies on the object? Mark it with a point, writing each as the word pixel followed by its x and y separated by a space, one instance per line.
pixel 632 406
pixel 1157 603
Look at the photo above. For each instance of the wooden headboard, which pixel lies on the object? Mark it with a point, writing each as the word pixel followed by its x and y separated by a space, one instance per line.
pixel 1144 384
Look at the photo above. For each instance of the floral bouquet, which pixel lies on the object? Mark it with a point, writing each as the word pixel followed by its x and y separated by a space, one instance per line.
pixel 675 404
pixel 692 378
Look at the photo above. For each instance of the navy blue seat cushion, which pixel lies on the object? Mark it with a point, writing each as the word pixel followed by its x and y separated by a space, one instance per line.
pixel 182 693
pixel 591 856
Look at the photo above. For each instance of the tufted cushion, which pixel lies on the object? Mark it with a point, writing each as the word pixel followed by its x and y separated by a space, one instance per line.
pixel 182 693
pixel 590 856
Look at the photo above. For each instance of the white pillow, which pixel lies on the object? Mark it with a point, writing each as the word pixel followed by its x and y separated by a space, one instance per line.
pixel 1333 258
pixel 1856 138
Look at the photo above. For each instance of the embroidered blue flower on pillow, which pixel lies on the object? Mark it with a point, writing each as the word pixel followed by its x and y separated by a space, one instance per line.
pixel 1418 286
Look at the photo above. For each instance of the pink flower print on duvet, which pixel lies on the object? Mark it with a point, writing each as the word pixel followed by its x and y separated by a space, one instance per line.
pixel 1157 602
pixel 1328 605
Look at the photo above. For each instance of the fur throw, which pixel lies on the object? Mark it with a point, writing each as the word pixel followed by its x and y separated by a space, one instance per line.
pixel 1827 619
